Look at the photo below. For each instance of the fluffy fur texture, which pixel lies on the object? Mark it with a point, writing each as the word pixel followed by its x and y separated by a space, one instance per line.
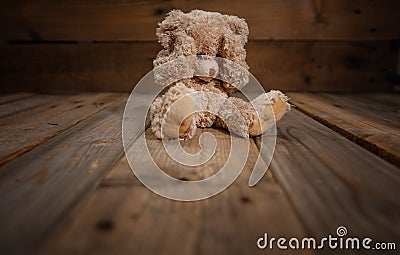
pixel 186 39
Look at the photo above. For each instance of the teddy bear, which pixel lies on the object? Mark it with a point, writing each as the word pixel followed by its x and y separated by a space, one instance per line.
pixel 204 53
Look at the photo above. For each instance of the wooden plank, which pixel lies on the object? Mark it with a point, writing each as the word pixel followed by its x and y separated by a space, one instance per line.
pixel 321 66
pixel 7 98
pixel 383 105
pixel 306 66
pixel 191 173
pixel 373 125
pixel 75 67
pixel 333 182
pixel 24 131
pixel 38 188
pixel 379 98
pixel 137 20
pixel 123 217
pixel 372 106
pixel 14 107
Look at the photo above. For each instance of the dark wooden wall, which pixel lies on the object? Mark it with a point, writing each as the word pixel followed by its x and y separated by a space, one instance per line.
pixel 309 45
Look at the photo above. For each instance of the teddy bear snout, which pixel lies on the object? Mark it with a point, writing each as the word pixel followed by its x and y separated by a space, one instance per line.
pixel 206 68
pixel 212 72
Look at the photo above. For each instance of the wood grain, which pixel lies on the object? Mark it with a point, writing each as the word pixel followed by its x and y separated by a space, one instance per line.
pixel 137 20
pixel 333 182
pixel 122 216
pixel 40 187
pixel 371 123
pixel 304 66
pixel 24 131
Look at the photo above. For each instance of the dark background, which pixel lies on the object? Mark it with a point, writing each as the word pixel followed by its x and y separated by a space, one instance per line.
pixel 295 45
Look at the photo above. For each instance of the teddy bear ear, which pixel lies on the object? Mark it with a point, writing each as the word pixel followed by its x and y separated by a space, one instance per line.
pixel 238 26
pixel 175 19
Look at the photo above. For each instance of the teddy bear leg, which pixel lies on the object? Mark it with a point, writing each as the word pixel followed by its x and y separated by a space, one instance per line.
pixel 258 116
pixel 271 107
pixel 172 114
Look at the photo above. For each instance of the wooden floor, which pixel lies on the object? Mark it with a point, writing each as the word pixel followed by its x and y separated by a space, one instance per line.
pixel 66 187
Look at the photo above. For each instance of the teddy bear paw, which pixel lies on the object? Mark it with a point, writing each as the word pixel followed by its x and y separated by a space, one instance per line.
pixel 271 107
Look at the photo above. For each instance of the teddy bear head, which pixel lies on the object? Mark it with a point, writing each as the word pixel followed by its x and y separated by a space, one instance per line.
pixel 200 35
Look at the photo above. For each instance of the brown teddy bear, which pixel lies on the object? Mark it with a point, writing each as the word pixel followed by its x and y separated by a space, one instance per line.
pixel 204 52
